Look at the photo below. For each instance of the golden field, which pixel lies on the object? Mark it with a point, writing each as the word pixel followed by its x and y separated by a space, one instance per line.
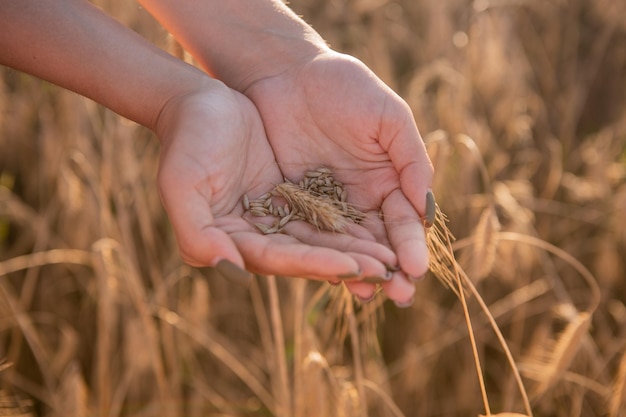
pixel 522 105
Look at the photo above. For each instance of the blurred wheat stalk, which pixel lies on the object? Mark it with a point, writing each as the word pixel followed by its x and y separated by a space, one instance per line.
pixel 522 108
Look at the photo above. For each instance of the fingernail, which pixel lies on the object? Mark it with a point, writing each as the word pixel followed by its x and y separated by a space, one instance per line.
pixel 392 268
pixel 233 272
pixel 431 209
pixel 375 279
pixel 416 279
pixel 334 283
pixel 349 275
pixel 405 304
pixel 378 279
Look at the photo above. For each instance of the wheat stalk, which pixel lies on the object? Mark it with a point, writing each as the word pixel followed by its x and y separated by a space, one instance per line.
pixel 485 243
pixel 320 212
pixel 618 399
pixel 444 266
pixel 441 260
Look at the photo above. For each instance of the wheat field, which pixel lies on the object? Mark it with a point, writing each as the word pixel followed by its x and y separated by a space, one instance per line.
pixel 522 105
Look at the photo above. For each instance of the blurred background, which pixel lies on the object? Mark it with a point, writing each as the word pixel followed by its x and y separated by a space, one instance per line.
pixel 522 105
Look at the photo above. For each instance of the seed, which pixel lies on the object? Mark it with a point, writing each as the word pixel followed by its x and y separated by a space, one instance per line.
pixel 262 227
pixel 257 207
pixel 271 230
pixel 343 196
pixel 324 170
pixel 286 209
pixel 258 213
pixel 246 202
pixel 284 220
pixel 274 228
pixel 264 197
pixel 313 174
pixel 280 211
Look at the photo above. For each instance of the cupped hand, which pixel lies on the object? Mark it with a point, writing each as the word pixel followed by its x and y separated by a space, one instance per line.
pixel 332 111
pixel 214 151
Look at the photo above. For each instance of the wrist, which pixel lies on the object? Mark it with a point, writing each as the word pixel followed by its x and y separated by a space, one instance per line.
pixel 281 53
pixel 239 41
pixel 180 101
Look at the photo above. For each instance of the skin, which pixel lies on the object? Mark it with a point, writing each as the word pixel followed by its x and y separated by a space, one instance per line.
pixel 320 108
pixel 283 105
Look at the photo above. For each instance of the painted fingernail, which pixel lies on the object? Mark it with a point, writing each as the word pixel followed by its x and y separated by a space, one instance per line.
pixel 233 272
pixel 375 279
pixel 348 275
pixel 392 268
pixel 405 304
pixel 378 279
pixel 431 209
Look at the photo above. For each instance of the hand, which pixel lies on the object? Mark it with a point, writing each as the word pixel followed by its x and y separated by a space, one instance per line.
pixel 331 110
pixel 214 150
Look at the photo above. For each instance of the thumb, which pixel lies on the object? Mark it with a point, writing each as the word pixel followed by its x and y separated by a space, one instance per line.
pixel 407 151
pixel 200 242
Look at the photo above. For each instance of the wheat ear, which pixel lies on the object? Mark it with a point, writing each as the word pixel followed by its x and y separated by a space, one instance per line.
pixel 444 266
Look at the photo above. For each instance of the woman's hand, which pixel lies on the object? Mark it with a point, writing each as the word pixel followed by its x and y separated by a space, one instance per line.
pixel 214 151
pixel 332 111
pixel 320 108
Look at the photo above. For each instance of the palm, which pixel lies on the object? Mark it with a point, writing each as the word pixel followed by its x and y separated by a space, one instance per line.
pixel 214 152
pixel 206 165
pixel 334 112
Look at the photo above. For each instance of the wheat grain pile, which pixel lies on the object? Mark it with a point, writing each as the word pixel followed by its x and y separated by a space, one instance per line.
pixel 318 199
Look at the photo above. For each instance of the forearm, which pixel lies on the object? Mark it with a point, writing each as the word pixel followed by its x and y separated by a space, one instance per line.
pixel 74 45
pixel 238 41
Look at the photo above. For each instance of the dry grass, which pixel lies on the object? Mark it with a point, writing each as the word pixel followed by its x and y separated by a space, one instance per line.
pixel 523 109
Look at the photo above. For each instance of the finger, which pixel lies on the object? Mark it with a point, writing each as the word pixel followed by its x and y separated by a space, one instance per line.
pixel 284 255
pixel 364 244
pixel 400 290
pixel 406 234
pixel 406 149
pixel 200 243
pixel 376 226
pixel 363 291
pixel 371 270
